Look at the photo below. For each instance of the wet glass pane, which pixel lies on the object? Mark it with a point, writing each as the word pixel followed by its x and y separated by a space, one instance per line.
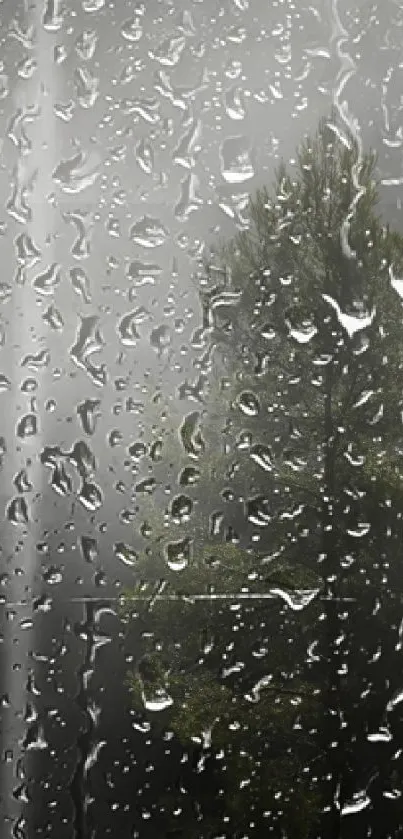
pixel 201 419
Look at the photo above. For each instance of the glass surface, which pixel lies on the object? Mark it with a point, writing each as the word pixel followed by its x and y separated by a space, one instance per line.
pixel 201 419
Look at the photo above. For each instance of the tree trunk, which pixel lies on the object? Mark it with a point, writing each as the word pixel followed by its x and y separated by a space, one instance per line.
pixel 333 743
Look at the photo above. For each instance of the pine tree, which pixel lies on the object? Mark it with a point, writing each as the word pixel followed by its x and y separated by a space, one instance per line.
pixel 309 407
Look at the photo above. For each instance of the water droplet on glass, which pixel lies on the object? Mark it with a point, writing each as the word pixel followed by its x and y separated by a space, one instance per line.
pixel 234 104
pixel 46 282
pixel 127 329
pixel 249 403
pixel 53 318
pixel 145 156
pixel 161 338
pixel 125 554
pixel 77 173
pixel 88 342
pixel 158 701
pixel 236 162
pixel 169 51
pixel 137 450
pixel 27 426
pixel 131 29
pixel 178 554
pixel 86 44
pixel 89 548
pixel 89 413
pixel 5 383
pixel 81 283
pixel 17 510
pixel 296 599
pixel 181 508
pixel 351 323
pixel 93 5
pixel 148 232
pixel 90 496
pixel 36 361
pixel 86 85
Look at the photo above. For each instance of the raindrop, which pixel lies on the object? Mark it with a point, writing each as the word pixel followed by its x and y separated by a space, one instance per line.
pixel 261 455
pixel 52 576
pixel 90 496
pixel 159 701
pixel 17 510
pixel 77 173
pixel 19 829
pixel 351 323
pixel 396 699
pixel 215 523
pixel 60 53
pixel 181 508
pixel 143 273
pixel 148 232
pixel 27 426
pixel 178 554
pixel 89 549
pixel 27 253
pixel 156 451
pixel 5 292
pixel 36 362
pixel 137 450
pixel 125 554
pixel 161 338
pixel 22 482
pixel 83 459
pixel 188 145
pixel 131 29
pixel 88 342
pixel 258 511
pixel 190 434
pixel 248 403
pixel 88 412
pixel 189 199
pixel 236 162
pixel 53 318
pixel 86 44
pixel 5 383
pixel 86 87
pixel 303 335
pixel 83 222
pixel 93 5
pixel 359 802
pixel 81 283
pixel 4 86
pixel 234 104
pixel 35 740
pixel 145 156
pixel 147 486
pixel 296 599
pixel 115 438
pixel 60 481
pixel 127 329
pixel 361 530
pixel 146 108
pixel 169 51
pixel 29 386
pixel 52 19
pixel 381 736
